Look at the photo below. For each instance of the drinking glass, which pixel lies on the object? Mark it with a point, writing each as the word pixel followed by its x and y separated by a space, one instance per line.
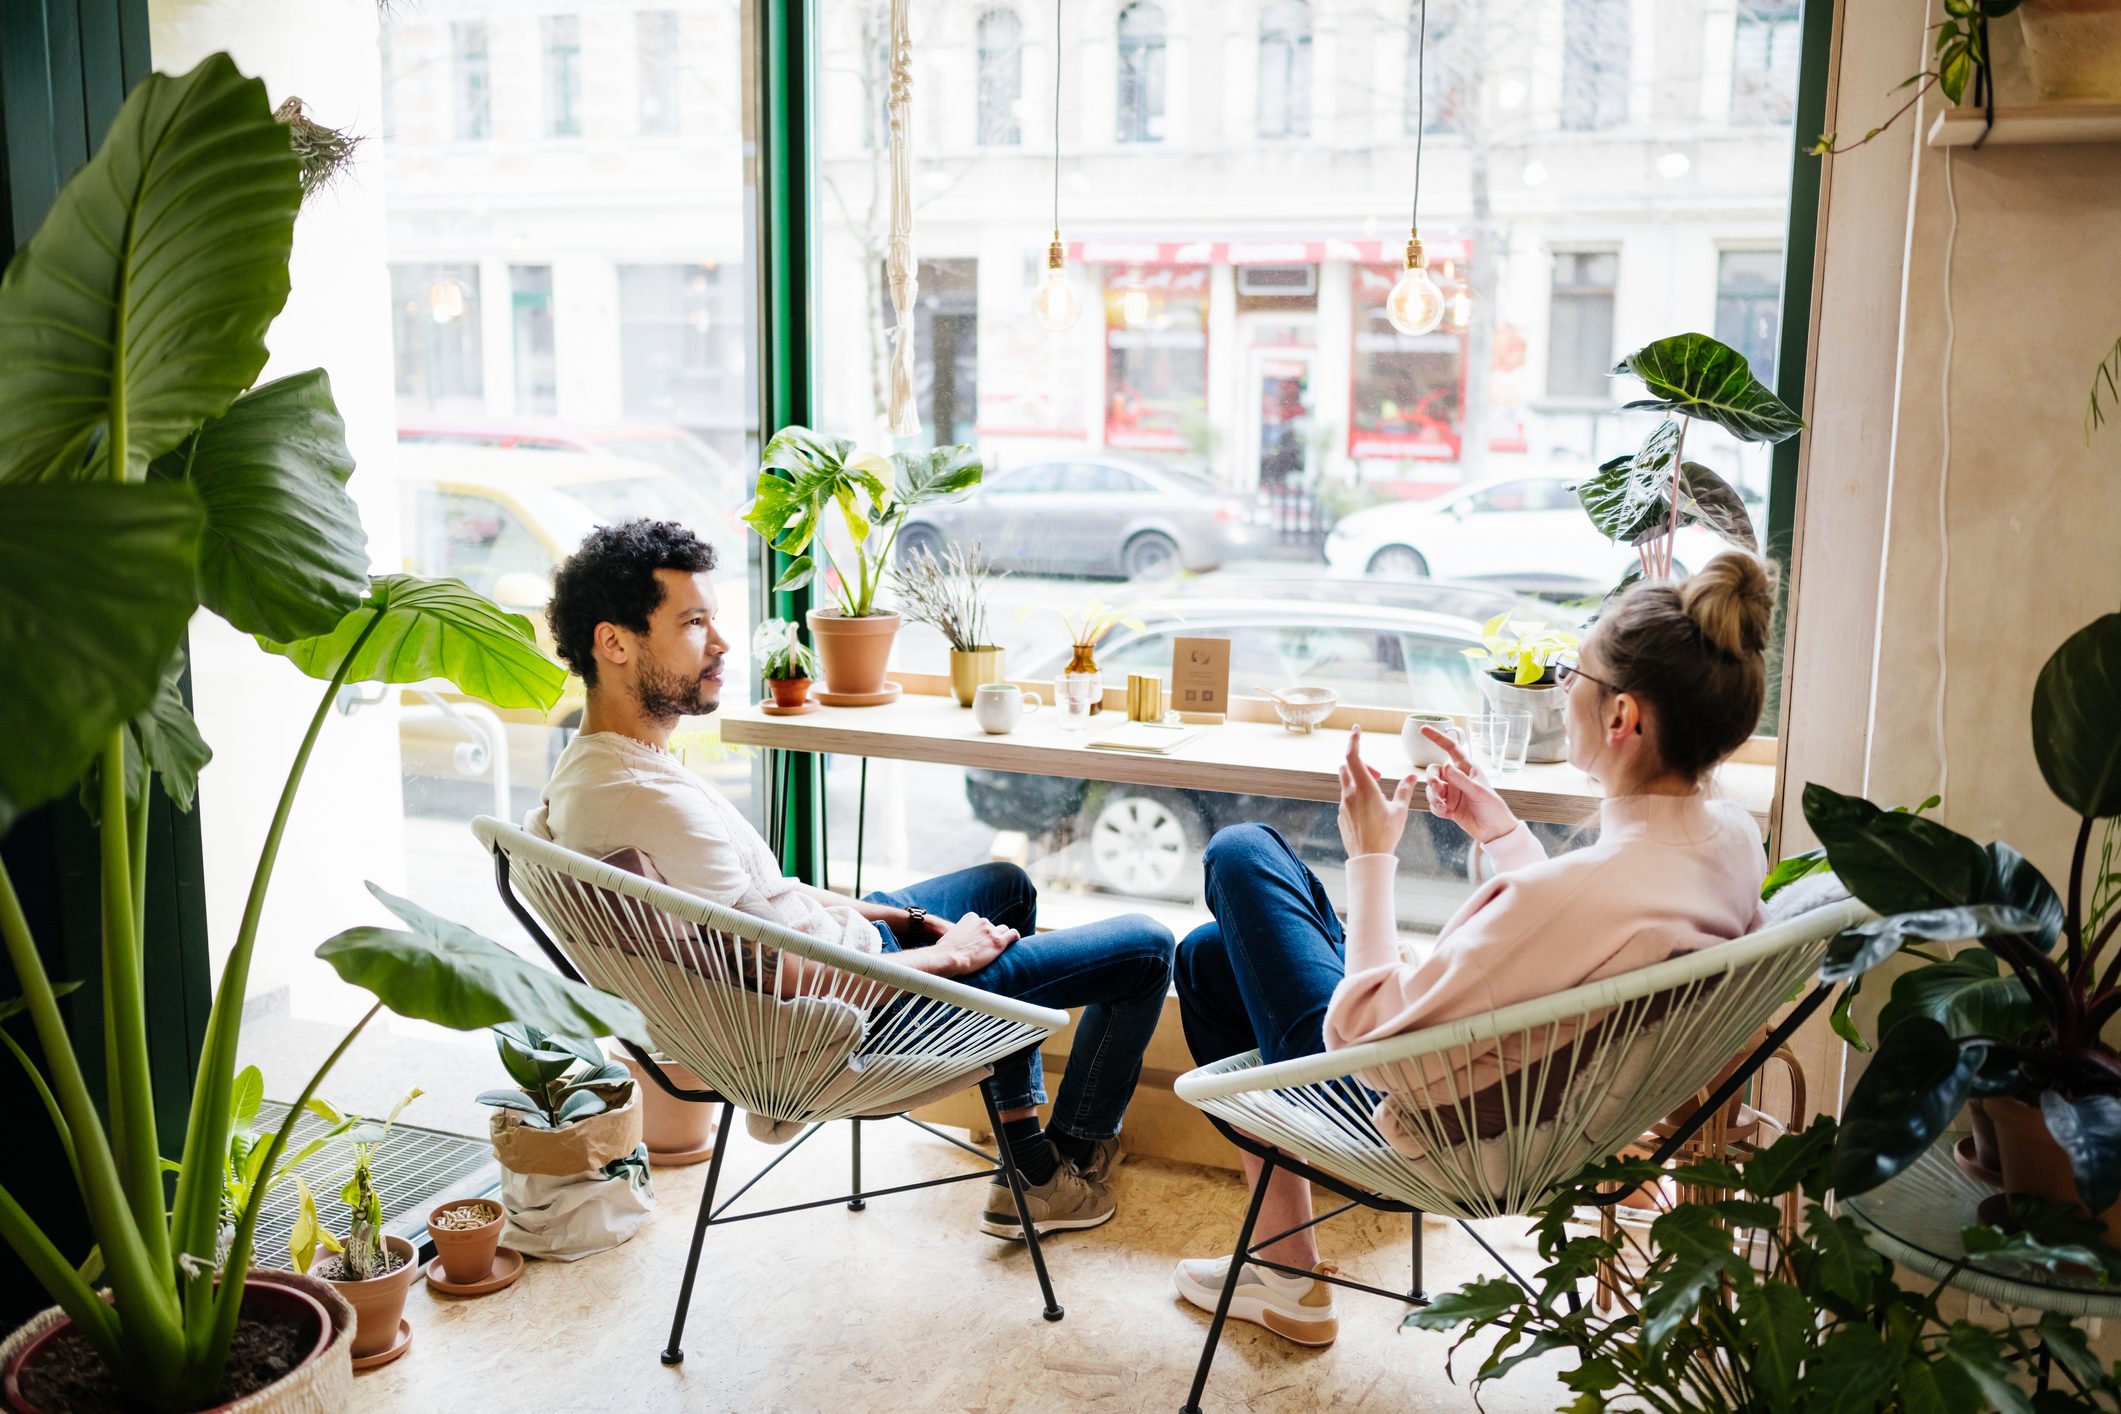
pixel 1504 739
pixel 1073 696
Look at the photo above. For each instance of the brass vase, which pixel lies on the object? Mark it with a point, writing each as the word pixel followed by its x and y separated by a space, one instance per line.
pixel 973 668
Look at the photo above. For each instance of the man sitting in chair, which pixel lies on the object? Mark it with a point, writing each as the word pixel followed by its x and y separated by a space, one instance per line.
pixel 633 612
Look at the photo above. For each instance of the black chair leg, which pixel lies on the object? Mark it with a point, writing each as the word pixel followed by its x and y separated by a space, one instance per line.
pixel 1054 1310
pixel 1415 1291
pixel 1222 1306
pixel 855 1203
pixel 674 1352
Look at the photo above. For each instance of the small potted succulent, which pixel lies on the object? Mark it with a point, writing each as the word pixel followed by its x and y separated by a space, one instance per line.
pixel 467 1235
pixel 371 1270
pixel 786 663
pixel 950 595
pixel 1521 673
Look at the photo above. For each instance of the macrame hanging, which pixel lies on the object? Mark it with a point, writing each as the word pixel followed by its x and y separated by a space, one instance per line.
pixel 900 267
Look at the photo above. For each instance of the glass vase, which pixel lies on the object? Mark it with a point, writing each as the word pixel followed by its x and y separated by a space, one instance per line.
pixel 1083 663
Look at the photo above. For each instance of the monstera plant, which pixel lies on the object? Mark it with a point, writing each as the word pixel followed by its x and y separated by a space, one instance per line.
pixel 1644 497
pixel 2023 1015
pixel 143 476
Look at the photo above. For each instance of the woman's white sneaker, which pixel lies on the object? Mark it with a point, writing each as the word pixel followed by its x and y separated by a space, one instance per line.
pixel 1295 1308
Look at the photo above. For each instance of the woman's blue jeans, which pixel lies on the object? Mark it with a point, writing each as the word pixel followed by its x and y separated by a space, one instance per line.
pixel 1118 970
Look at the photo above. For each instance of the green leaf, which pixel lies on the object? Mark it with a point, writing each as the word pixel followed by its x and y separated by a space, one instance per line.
pixel 97 583
pixel 1857 950
pixel 15 1006
pixel 322 1110
pixel 1789 871
pixel 2067 1345
pixel 798 451
pixel 1792 1162
pixel 1842 1019
pixel 445 973
pixel 1955 65
pixel 249 1094
pixel 508 1100
pixel 1966 994
pixel 285 555
pixel 1781 1323
pixel 1851 1374
pixel 1578 1258
pixel 1677 1294
pixel 1707 499
pixel 2089 1130
pixel 1692 375
pixel 164 739
pixel 1628 500
pixel 1975 1352
pixel 1994 1245
pixel 936 474
pixel 2074 738
pixel 801 570
pixel 1909 1093
pixel 580 1105
pixel 1477 1302
pixel 143 299
pixel 436 628
pixel 1847 1264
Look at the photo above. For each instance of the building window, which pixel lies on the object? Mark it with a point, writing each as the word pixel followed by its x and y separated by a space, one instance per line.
pixel 1285 69
pixel 1141 73
pixel 474 80
pixel 1594 64
pixel 563 76
pixel 681 345
pixel 530 322
pixel 656 67
pixel 435 336
pixel 1580 327
pixel 1435 71
pixel 1764 65
pixel 1749 306
pixel 1156 357
pixel 1001 78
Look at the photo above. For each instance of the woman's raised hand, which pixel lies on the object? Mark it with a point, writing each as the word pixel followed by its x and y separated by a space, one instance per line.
pixel 1458 792
pixel 1371 822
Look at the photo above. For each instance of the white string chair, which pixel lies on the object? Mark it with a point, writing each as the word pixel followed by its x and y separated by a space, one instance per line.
pixel 839 1034
pixel 1498 1109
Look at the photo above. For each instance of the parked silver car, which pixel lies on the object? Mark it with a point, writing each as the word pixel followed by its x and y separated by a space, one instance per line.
pixel 1091 515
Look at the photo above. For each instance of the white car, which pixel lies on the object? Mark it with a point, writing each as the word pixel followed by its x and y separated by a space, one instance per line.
pixel 1527 531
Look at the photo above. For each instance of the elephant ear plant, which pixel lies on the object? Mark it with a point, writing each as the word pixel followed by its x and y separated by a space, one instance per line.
pixel 562 1078
pixel 143 476
pixel 2023 1013
pixel 1643 498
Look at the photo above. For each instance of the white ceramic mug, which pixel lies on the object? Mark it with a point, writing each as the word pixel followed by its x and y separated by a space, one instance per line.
pixel 999 706
pixel 1420 750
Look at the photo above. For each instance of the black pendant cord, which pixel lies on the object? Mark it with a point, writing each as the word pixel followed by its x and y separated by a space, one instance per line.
pixel 1421 99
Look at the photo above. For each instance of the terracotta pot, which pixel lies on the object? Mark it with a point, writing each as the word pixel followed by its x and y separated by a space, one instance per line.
pixel 972 668
pixel 789 692
pixel 467 1252
pixel 379 1302
pixel 854 652
pixel 2032 1163
pixel 670 1126
pixel 2073 47
pixel 1984 1132
pixel 323 1379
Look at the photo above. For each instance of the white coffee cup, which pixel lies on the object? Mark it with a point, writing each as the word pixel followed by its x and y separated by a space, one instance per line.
pixel 999 706
pixel 1420 750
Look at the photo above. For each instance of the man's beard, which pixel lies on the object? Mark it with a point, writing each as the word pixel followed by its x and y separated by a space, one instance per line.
pixel 666 696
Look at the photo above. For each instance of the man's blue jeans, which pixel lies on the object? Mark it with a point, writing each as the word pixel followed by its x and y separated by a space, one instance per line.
pixel 1118 970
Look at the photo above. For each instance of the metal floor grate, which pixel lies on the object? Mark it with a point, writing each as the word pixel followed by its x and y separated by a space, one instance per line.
pixel 416 1169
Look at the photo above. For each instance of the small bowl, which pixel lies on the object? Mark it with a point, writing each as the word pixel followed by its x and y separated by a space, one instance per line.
pixel 1302 708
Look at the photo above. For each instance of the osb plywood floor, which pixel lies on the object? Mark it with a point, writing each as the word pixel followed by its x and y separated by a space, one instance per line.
pixel 907 1306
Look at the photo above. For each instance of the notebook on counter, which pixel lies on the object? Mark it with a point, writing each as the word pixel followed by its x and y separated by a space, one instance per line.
pixel 1144 738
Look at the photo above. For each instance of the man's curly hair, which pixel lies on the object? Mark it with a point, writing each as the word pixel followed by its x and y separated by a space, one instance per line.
pixel 610 579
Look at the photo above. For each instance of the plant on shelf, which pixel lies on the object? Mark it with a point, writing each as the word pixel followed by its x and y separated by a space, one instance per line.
pixel 1960 56
pixel 950 595
pixel 1526 656
pixel 560 1079
pixel 361 1255
pixel 1086 624
pixel 806 477
pixel 785 661
pixel 1643 497
pixel 143 477
pixel 2019 1020
pixel 1723 1306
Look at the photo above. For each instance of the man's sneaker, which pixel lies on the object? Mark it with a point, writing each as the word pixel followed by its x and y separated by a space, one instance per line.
pixel 1292 1307
pixel 1064 1202
pixel 1104 1157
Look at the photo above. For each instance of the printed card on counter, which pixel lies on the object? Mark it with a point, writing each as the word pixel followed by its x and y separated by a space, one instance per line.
pixel 1200 675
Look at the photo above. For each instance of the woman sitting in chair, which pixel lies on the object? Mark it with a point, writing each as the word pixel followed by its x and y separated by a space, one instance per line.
pixel 1667 685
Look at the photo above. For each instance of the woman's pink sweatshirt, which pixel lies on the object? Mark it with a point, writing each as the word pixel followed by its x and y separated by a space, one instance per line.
pixel 1668 874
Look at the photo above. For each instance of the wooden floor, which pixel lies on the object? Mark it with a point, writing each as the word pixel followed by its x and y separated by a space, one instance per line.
pixel 907 1306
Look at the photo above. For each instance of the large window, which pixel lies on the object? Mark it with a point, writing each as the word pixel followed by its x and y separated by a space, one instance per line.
pixel 1764 63
pixel 1580 325
pixel 657 67
pixel 1749 306
pixel 563 76
pixel 682 349
pixel 436 336
pixel 536 352
pixel 472 75
pixel 1285 69
pixel 1594 63
pixel 1141 72
pixel 1001 79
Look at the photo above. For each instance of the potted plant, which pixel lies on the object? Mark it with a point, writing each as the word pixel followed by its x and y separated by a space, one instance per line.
pixel 572 1121
pixel 466 1233
pixel 370 1270
pixel 950 595
pixel 2019 1020
pixel 1644 497
pixel 785 661
pixel 1521 673
pixel 1960 56
pixel 1086 625
pixel 132 495
pixel 677 1132
pixel 804 476
pixel 1734 1305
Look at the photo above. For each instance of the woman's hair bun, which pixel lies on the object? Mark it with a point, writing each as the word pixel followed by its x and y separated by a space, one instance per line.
pixel 1731 600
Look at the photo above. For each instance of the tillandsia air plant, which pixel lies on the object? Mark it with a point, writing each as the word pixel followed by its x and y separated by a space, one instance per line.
pixel 361 1255
pixel 781 653
pixel 2024 1012
pixel 143 477
pixel 1527 656
pixel 1960 56
pixel 563 1078
pixel 1643 498
pixel 1087 623
pixel 1726 1306
pixel 805 474
pixel 948 593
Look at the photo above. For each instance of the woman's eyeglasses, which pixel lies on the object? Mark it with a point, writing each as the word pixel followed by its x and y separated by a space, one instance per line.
pixel 1567 673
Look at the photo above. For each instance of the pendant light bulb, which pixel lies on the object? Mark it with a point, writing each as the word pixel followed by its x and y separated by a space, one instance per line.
pixel 1415 305
pixel 1056 304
